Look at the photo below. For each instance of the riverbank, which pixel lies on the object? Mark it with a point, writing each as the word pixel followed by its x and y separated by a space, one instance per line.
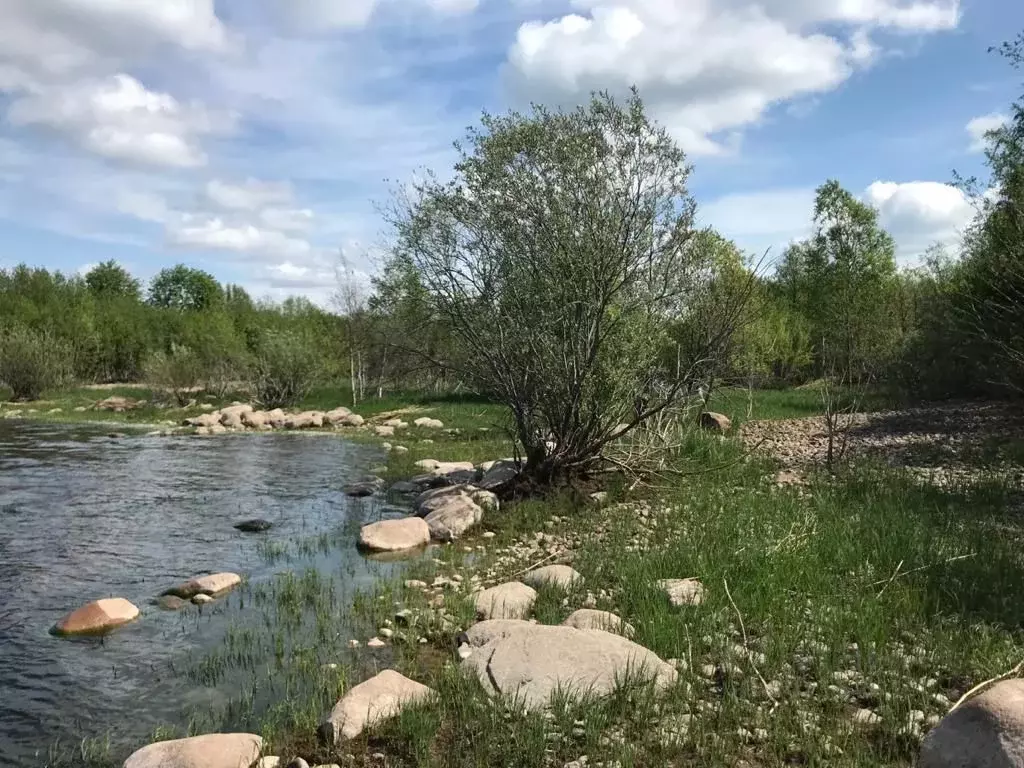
pixel 842 616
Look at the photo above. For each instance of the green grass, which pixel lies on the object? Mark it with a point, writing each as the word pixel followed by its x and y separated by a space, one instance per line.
pixel 868 591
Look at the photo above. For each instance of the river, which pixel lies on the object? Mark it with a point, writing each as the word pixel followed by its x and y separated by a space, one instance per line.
pixel 84 515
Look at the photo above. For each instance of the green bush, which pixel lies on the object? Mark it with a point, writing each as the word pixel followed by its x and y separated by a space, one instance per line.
pixel 286 366
pixel 178 372
pixel 32 362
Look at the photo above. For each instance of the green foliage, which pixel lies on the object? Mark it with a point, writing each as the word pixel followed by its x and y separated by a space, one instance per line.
pixel 32 362
pixel 177 372
pixel 555 257
pixel 286 366
pixel 110 280
pixel 842 281
pixel 183 288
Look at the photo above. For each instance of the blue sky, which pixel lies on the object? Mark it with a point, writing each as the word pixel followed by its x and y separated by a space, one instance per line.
pixel 253 137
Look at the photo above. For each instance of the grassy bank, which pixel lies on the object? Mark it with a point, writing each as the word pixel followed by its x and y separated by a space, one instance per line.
pixel 864 592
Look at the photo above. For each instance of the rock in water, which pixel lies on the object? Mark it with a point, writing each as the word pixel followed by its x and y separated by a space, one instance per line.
pixel 715 422
pixel 170 603
pixel 512 600
pixel 214 585
pixel 97 618
pixel 215 750
pixel 561 576
pixel 530 662
pixel 984 732
pixel 395 535
pixel 379 698
pixel 363 488
pixel 254 526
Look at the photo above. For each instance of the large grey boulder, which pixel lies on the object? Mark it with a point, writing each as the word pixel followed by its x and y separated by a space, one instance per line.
pixel 530 662
pixel 452 519
pixel 215 750
pixel 984 732
pixel 379 698
pixel 512 600
pixel 395 535
pixel 561 576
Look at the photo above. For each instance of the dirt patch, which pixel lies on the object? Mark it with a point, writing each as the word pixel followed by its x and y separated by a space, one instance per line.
pixel 948 444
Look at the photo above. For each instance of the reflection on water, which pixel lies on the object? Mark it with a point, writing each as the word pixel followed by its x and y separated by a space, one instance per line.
pixel 85 516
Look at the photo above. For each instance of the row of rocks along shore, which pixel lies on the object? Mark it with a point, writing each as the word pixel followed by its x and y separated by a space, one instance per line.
pixel 506 650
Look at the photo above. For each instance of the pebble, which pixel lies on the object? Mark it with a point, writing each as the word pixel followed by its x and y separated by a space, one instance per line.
pixel 353 643
pixel 376 643
pixel 415 584
pixel 385 632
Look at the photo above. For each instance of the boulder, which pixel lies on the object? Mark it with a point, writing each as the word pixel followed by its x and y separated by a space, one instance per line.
pixel 428 465
pixel 97 617
pixel 214 584
pixel 232 421
pixel 587 618
pixel 218 429
pixel 304 420
pixel 394 535
pixel 404 487
pixel 984 732
pixel 384 431
pixel 236 409
pixel 363 488
pixel 170 603
pixel 215 750
pixel 369 703
pixel 352 420
pixel 336 415
pixel 428 423
pixel 204 420
pixel 254 526
pixel 682 591
pixel 501 473
pixel 561 576
pixel 255 419
pixel 201 599
pixel 715 422
pixel 512 600
pixel 395 424
pixel 486 500
pixel 435 498
pixel 453 518
pixel 530 662
pixel 276 418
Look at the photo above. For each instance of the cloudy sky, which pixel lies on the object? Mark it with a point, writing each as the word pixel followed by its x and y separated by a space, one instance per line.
pixel 253 138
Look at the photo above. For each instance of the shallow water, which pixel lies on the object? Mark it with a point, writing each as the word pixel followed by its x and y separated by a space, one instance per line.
pixel 85 516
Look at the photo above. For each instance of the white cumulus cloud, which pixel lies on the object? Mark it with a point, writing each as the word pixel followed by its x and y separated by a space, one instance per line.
pixel 121 119
pixel 920 213
pixel 709 67
pixel 979 128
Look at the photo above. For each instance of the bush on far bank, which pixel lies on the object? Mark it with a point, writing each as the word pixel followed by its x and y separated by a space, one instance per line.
pixel 32 362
